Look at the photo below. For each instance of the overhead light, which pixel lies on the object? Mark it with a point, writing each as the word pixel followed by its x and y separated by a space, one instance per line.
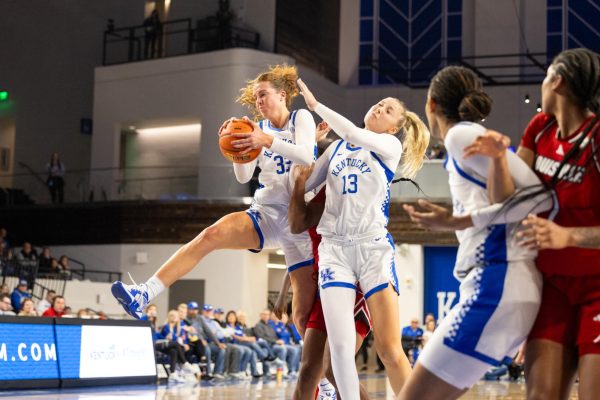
pixel 527 99
pixel 539 107
pixel 483 120
pixel 247 200
pixel 276 266
pixel 131 127
pixel 280 252
pixel 176 129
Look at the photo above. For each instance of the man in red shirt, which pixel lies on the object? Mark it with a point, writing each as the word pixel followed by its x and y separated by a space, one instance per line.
pixel 57 309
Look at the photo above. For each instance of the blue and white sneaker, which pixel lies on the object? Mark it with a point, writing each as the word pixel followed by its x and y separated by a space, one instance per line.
pixel 133 298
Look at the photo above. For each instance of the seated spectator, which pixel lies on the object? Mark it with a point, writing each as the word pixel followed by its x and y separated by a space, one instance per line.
pixel 213 349
pixel 195 347
pixel 21 292
pixel 218 316
pixel 57 308
pixel 63 264
pixel 412 337
pixel 4 238
pixel 68 312
pixel 233 354
pixel 6 253
pixel 175 346
pixel 46 302
pixel 293 350
pixel 429 329
pixel 84 313
pixel 5 305
pixel 4 289
pixel 45 263
pixel 27 308
pixel 264 331
pixel 239 337
pixel 27 256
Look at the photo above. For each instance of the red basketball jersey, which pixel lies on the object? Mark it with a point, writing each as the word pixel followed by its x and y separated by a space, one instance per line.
pixel 578 191
pixel 314 236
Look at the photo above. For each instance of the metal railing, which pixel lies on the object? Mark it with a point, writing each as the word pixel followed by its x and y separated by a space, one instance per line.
pixel 175 38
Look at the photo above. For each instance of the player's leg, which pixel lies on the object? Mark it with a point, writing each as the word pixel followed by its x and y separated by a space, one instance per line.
pixel 233 231
pixel 549 369
pixel 299 259
pixel 311 364
pixel 551 356
pixel 424 384
pixel 338 307
pixel 364 395
pixel 383 306
pixel 588 341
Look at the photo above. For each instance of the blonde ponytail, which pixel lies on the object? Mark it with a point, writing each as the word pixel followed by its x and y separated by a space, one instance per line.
pixel 414 145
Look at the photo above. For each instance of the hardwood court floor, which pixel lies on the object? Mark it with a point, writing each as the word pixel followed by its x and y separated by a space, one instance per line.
pixel 263 390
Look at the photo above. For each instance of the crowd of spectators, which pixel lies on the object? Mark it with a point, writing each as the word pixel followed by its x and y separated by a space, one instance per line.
pixel 12 258
pixel 224 346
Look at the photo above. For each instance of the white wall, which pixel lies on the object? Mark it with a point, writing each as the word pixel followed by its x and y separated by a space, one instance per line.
pixel 233 279
pixel 409 267
pixel 200 87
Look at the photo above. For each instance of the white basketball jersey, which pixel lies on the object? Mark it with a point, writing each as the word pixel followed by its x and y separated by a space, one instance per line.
pixel 357 194
pixel 274 178
pixel 478 246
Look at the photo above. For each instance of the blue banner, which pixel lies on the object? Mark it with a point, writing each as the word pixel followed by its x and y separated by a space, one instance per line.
pixel 441 287
pixel 27 351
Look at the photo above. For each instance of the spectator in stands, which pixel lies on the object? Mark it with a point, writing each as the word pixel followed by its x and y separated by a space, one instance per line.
pixel 27 256
pixel 233 354
pixel 429 329
pixel 6 252
pixel 175 346
pixel 45 262
pixel 21 292
pixel 264 331
pixel 63 263
pixel 195 347
pixel 152 36
pixel 258 353
pixel 68 312
pixel 249 331
pixel 56 178
pixel 27 308
pixel 46 302
pixel 57 308
pixel 4 289
pixel 5 305
pixel 436 152
pixel 212 348
pixel 292 350
pixel 84 313
pixel 412 337
pixel 218 316
pixel 4 238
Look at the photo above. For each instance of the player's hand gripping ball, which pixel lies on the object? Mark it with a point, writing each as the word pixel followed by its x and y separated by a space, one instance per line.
pixel 226 137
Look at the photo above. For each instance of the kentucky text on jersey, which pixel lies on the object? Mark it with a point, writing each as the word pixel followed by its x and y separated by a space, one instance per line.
pixel 350 162
pixel 570 173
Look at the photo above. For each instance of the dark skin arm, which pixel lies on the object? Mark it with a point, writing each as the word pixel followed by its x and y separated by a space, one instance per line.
pixel 303 216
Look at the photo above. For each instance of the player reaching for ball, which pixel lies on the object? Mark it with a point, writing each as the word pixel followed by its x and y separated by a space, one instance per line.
pixel 286 138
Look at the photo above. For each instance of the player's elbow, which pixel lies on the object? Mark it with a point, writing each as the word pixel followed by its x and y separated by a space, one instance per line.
pixel 297 226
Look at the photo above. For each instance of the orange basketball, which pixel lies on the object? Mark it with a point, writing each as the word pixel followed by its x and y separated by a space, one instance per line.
pixel 229 151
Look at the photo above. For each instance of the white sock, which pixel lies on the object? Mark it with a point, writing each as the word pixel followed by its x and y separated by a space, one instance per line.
pixel 155 287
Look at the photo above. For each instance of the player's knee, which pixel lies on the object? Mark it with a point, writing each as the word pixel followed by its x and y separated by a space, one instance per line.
pixel 391 357
pixel 209 235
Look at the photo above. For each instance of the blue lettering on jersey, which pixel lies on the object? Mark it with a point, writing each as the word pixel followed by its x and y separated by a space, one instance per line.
pixel 350 162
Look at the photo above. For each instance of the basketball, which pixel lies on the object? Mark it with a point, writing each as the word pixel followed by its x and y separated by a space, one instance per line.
pixel 229 151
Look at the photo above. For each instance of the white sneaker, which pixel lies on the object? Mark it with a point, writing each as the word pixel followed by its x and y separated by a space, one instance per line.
pixel 326 391
pixel 176 377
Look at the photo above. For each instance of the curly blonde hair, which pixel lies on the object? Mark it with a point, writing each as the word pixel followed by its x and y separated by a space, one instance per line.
pixel 281 77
